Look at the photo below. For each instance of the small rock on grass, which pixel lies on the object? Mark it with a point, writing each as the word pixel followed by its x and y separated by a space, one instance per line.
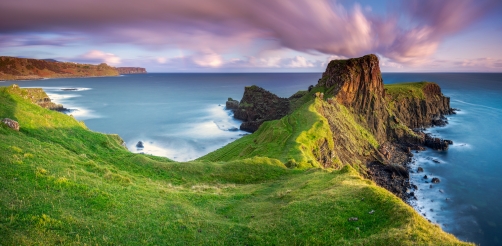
pixel 353 219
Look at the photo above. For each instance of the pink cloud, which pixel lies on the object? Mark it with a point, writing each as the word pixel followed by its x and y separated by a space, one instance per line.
pixel 210 28
pixel 97 56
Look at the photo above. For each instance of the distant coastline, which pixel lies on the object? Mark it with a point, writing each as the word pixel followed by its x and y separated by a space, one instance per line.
pixel 13 68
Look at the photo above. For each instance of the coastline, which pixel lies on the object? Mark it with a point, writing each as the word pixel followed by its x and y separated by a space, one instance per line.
pixel 56 77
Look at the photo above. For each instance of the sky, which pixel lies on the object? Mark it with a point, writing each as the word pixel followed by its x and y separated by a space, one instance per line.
pixel 258 35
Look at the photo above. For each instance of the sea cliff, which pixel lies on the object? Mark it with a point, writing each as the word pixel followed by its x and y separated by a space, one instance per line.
pixel 371 125
pixel 13 68
pixel 131 70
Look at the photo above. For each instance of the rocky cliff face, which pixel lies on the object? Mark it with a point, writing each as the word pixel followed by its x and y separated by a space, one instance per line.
pixel 258 105
pixel 427 110
pixel 12 68
pixel 369 122
pixel 357 84
pixel 131 70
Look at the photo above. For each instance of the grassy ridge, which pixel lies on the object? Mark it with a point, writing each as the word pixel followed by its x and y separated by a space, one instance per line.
pixel 291 139
pixel 63 184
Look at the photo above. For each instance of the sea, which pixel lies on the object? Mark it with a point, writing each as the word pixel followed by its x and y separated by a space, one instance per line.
pixel 183 117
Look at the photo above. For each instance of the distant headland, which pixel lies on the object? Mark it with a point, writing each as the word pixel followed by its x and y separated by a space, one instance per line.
pixel 131 70
pixel 13 68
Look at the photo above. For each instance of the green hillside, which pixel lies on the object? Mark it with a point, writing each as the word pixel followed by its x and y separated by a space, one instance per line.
pixel 61 183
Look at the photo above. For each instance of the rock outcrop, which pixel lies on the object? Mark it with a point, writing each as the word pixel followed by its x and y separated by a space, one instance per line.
pixel 11 123
pixel 357 84
pixel 39 97
pixel 231 104
pixel 131 70
pixel 423 111
pixel 258 105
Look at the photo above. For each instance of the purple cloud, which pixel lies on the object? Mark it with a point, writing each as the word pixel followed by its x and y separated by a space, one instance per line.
pixel 214 27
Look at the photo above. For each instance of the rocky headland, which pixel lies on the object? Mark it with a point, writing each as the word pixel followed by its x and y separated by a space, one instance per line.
pixel 373 126
pixel 131 70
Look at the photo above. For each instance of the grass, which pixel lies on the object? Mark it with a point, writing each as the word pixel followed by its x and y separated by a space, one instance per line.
pixel 63 184
pixel 293 139
pixel 406 90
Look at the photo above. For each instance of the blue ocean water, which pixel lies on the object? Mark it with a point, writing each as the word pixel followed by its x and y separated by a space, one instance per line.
pixel 182 116
pixel 467 202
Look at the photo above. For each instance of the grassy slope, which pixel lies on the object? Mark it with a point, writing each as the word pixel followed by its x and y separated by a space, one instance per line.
pixel 406 90
pixel 291 137
pixel 61 183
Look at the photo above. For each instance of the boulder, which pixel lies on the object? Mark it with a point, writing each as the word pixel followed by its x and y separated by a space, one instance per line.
pixel 11 123
pixel 139 145
pixel 435 180
pixel 420 169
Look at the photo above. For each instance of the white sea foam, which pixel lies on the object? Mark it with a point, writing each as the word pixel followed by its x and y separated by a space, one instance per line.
pixel 57 95
pixel 195 139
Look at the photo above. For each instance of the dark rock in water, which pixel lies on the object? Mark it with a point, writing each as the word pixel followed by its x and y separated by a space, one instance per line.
pixel 439 120
pixel 69 89
pixel 232 104
pixel 435 143
pixel 436 160
pixel 425 177
pixel 259 105
pixel 435 180
pixel 233 129
pixel 139 145
pixel 11 123
pixel 448 141
pixel 420 169
pixel 414 186
pixel 430 186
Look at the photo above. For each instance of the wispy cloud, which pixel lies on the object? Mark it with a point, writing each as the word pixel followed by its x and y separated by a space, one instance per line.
pixel 97 56
pixel 211 28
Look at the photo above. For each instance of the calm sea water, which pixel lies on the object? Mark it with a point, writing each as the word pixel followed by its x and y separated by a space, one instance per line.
pixel 182 116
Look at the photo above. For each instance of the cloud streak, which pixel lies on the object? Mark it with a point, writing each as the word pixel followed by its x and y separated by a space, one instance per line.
pixel 210 28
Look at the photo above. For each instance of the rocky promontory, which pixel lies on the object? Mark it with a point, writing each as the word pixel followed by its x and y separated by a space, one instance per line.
pixel 131 70
pixel 370 124
pixel 39 97
pixel 258 105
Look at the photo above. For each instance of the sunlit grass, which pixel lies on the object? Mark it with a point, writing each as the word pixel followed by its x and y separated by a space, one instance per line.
pixel 63 184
